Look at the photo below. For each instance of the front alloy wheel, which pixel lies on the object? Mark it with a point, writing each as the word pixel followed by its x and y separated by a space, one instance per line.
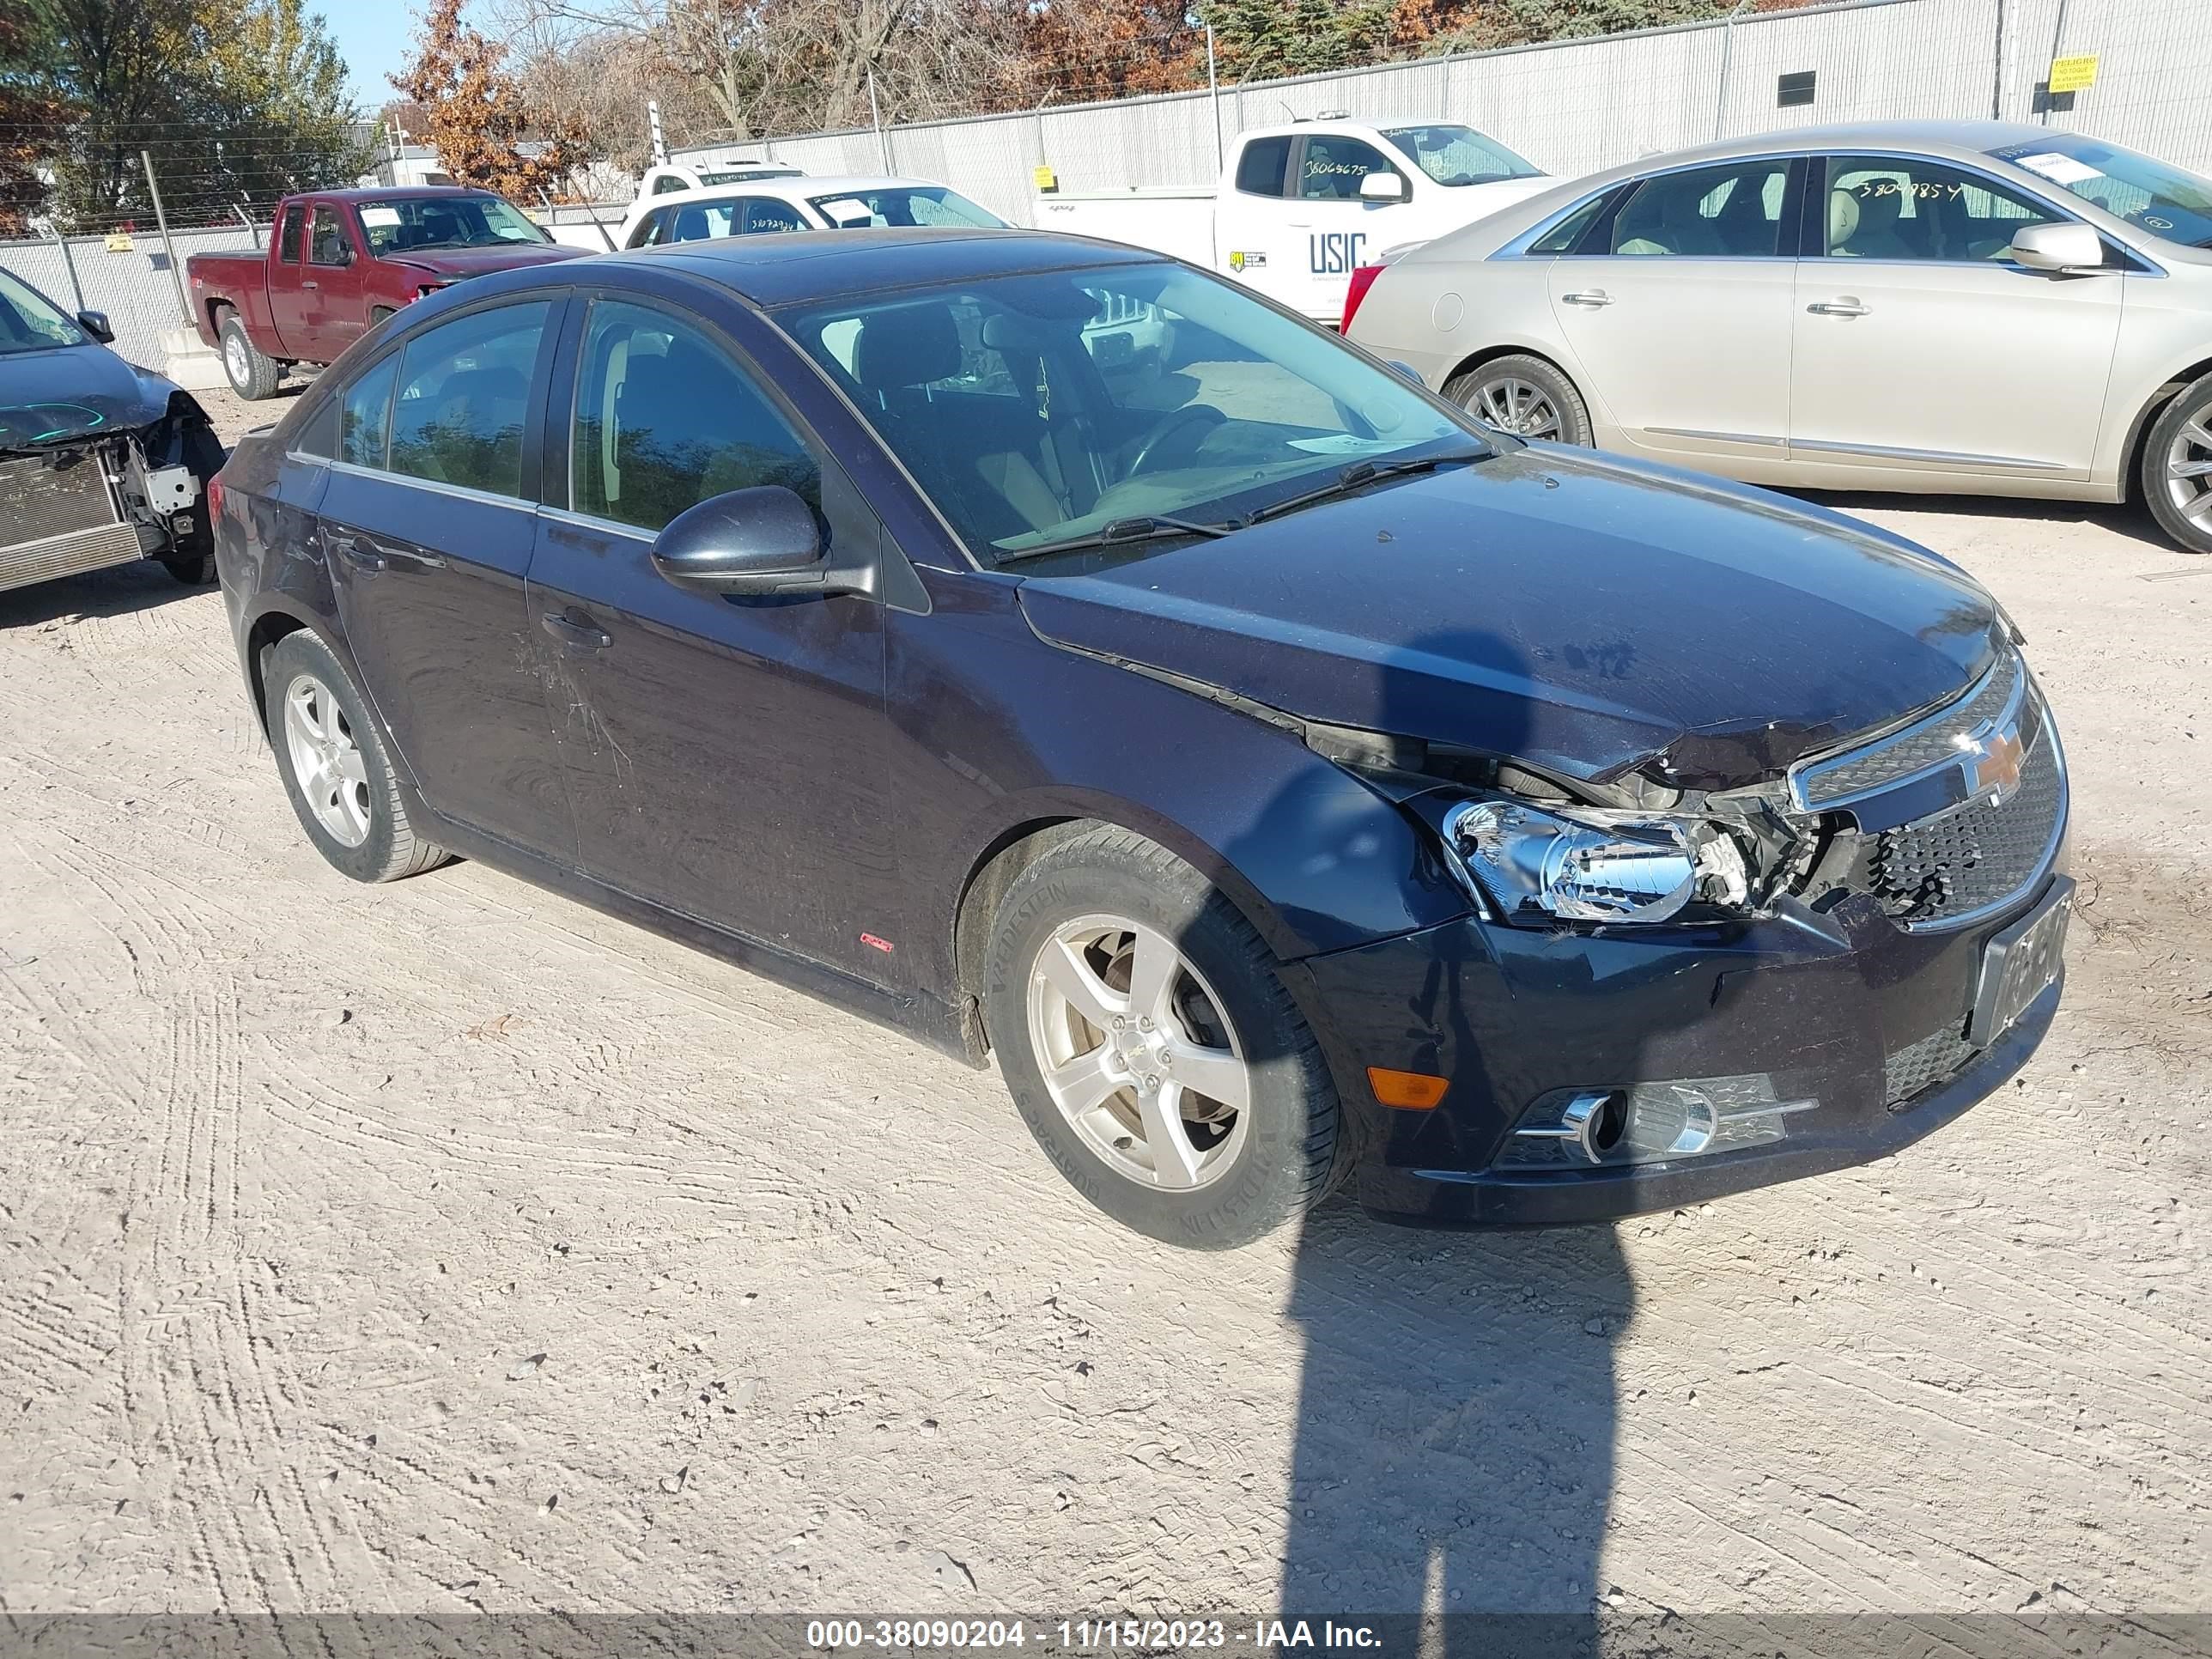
pixel 1151 1046
pixel 1137 1054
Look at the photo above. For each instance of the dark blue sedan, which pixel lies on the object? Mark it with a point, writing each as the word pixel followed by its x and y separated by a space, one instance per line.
pixel 1062 655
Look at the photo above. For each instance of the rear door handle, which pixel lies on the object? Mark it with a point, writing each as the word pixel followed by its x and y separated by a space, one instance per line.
pixel 579 631
pixel 349 549
pixel 1843 307
pixel 1592 297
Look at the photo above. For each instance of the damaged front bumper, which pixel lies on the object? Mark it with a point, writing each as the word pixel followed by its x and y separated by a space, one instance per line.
pixel 74 505
pixel 1765 1049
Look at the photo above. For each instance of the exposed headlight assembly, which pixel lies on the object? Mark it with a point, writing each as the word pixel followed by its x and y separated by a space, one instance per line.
pixel 1539 866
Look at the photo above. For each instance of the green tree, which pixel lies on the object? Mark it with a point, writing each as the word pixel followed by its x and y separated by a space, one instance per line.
pixel 1261 39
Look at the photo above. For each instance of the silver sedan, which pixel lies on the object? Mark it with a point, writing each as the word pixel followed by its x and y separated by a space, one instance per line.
pixel 1955 306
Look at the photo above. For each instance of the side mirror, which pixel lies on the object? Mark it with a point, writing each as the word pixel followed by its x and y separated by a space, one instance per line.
pixel 762 540
pixel 95 323
pixel 1381 187
pixel 2073 249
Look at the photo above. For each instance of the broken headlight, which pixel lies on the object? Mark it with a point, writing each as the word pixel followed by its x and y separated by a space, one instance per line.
pixel 1538 866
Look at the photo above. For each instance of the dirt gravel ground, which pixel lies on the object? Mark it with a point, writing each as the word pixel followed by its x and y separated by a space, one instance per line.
pixel 446 1245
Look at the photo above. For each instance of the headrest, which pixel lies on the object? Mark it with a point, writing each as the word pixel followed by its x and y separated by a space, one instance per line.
pixel 909 345
pixel 1843 217
pixel 1880 207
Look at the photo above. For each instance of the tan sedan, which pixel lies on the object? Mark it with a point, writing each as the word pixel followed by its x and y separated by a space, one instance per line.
pixel 1935 306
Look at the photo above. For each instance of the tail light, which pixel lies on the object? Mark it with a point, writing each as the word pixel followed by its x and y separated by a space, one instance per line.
pixel 214 500
pixel 1363 278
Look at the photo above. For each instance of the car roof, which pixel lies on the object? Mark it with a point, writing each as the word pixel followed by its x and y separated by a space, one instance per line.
pixel 803 184
pixel 804 265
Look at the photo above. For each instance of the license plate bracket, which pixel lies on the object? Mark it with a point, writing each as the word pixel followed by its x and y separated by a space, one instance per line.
pixel 2019 965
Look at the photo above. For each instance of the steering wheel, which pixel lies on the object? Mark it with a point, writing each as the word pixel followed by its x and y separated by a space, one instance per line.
pixel 1204 415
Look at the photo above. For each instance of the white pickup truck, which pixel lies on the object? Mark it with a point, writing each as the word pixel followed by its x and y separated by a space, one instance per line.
pixel 1299 207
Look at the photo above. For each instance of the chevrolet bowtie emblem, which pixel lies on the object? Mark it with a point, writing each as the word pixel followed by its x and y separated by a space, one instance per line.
pixel 1992 763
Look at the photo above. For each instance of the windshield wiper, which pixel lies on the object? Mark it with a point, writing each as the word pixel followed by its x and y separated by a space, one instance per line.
pixel 1358 475
pixel 1151 527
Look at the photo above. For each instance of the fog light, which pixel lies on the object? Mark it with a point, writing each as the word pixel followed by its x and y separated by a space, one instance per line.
pixel 1649 1123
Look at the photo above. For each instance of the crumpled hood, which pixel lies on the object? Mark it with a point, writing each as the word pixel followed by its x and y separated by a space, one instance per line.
pixel 69 390
pixel 455 263
pixel 1584 615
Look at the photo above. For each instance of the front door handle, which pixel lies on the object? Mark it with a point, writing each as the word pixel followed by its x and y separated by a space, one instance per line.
pixel 1592 297
pixel 308 285
pixel 349 549
pixel 580 632
pixel 1845 307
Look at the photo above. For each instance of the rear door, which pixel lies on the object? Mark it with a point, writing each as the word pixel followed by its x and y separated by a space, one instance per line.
pixel 1677 306
pixel 1920 347
pixel 288 299
pixel 332 312
pixel 1254 239
pixel 725 753
pixel 427 527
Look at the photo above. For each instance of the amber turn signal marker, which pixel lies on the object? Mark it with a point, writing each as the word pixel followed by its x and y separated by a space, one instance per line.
pixel 1414 1092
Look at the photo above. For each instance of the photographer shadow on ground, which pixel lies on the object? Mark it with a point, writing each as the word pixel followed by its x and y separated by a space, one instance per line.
pixel 1455 1442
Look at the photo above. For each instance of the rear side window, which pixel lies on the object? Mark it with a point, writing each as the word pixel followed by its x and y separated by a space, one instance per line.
pixel 1730 212
pixel 364 413
pixel 1563 236
pixel 664 420
pixel 463 399
pixel 1260 170
pixel 288 243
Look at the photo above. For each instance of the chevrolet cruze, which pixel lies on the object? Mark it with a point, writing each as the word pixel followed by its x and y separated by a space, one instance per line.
pixel 1285 780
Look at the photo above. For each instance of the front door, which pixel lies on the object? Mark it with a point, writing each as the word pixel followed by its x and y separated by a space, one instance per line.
pixel 1338 230
pixel 427 527
pixel 1920 347
pixel 1679 315
pixel 288 299
pixel 725 754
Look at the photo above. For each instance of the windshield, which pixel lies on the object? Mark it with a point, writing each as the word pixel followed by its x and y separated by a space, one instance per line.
pixel 2165 201
pixel 28 321
pixel 904 205
pixel 411 223
pixel 1039 409
pixel 1453 154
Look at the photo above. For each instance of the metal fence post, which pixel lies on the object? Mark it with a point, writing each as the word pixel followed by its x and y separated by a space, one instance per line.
pixel 69 264
pixel 2057 39
pixel 1213 100
pixel 161 219
pixel 876 115
pixel 1728 56
pixel 246 219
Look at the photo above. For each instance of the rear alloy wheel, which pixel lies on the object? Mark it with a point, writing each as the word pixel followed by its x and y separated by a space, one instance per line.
pixel 334 766
pixel 252 374
pixel 2177 468
pixel 1525 396
pixel 1151 1047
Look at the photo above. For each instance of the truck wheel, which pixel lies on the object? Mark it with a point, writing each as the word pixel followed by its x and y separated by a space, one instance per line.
pixel 378 314
pixel 252 375
pixel 1152 1049
pixel 1525 396
pixel 2177 468
pixel 334 765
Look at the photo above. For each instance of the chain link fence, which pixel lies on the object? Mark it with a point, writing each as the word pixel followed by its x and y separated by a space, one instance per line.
pixel 125 274
pixel 1573 107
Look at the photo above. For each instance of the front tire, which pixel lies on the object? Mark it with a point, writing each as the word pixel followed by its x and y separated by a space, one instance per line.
pixel 2177 468
pixel 1151 1047
pixel 334 765
pixel 1526 396
pixel 193 571
pixel 252 374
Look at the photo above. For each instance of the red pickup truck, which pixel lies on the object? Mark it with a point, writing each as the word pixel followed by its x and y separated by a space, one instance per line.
pixel 340 263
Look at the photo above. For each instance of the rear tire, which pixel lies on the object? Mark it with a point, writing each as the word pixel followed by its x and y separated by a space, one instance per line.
pixel 1525 396
pixel 1125 1113
pixel 2179 443
pixel 334 765
pixel 251 374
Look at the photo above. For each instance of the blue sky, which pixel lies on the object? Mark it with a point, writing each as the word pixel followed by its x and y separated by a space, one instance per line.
pixel 372 36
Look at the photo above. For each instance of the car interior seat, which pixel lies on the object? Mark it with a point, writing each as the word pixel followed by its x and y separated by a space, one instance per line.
pixel 1877 217
pixel 691 226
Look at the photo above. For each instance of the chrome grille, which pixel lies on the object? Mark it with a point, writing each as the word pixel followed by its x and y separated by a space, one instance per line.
pixel 1936 1058
pixel 1949 868
pixel 1926 746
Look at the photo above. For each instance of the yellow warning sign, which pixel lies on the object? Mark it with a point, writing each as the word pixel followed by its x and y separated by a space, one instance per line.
pixel 1045 179
pixel 119 242
pixel 2073 74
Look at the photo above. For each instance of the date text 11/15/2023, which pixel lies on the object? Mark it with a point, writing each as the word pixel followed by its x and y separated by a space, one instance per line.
pixel 1092 1634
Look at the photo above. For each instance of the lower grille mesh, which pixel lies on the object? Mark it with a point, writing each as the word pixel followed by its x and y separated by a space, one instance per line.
pixel 1976 856
pixel 1936 1058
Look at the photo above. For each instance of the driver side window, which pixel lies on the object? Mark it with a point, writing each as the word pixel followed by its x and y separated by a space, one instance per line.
pixel 327 244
